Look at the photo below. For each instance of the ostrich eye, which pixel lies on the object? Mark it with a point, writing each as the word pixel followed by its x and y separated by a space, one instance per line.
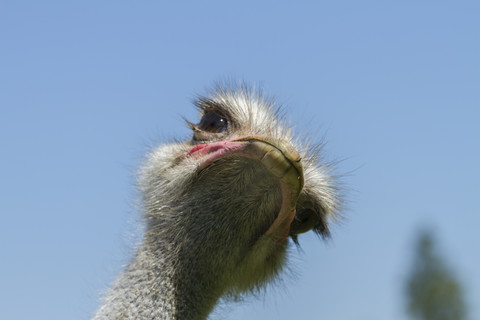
pixel 212 122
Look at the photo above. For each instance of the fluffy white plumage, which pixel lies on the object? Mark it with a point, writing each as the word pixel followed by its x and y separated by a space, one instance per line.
pixel 206 222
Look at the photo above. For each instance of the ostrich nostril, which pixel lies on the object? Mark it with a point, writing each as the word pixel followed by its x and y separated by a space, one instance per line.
pixel 305 220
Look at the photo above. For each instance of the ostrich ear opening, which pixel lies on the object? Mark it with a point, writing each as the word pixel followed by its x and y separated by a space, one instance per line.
pixel 310 215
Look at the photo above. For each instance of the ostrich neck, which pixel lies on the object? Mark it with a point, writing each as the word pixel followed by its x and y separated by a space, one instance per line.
pixel 201 242
pixel 157 286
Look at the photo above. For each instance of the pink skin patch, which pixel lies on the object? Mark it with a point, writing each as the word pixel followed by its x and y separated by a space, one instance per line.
pixel 211 152
pixel 217 150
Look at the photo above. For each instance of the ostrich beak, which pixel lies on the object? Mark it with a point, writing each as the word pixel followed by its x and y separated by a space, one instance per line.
pixel 278 157
pixel 284 162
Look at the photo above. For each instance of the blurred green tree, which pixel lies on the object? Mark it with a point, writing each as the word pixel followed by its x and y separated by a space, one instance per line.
pixel 433 292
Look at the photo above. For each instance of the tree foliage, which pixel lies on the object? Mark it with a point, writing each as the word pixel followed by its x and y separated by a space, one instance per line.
pixel 433 291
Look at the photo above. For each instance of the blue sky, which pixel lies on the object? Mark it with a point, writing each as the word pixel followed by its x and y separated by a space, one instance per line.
pixel 86 87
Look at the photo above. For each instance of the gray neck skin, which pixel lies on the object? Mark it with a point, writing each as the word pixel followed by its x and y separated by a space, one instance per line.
pixel 200 243
pixel 152 288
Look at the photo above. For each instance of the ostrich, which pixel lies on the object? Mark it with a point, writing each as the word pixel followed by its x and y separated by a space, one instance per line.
pixel 219 210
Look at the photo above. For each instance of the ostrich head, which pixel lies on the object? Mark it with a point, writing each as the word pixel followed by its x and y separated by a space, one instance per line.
pixel 221 207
